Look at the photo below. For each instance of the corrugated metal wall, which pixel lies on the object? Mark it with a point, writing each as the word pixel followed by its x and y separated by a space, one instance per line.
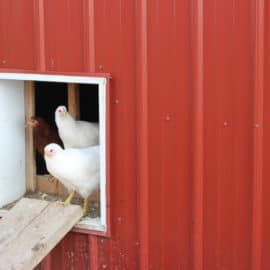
pixel 190 124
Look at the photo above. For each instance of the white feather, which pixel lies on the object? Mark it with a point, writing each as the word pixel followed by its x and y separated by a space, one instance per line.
pixel 75 134
pixel 76 169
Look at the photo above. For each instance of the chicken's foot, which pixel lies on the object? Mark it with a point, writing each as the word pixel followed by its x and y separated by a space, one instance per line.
pixel 68 199
pixel 85 206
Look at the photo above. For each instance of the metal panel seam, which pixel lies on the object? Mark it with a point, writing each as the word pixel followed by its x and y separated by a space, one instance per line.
pixel 40 35
pixel 89 31
pixel 143 155
pixel 258 135
pixel 198 133
pixel 93 252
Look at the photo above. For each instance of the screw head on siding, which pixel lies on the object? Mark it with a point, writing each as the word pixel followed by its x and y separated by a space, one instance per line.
pixel 52 62
pixel 100 68
pixel 4 62
pixel 225 124
pixel 119 220
pixel 167 117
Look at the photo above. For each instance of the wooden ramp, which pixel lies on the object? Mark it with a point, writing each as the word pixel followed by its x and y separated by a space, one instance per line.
pixel 31 229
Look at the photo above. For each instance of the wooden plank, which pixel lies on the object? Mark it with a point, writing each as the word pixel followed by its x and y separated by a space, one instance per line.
pixel 18 219
pixel 74 100
pixel 29 93
pixel 44 225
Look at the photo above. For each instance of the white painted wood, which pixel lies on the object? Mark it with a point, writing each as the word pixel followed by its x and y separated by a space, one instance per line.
pixel 52 78
pixel 45 224
pixel 102 140
pixel 12 141
pixel 93 224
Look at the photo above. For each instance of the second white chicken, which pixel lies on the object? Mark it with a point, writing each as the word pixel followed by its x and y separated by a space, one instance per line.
pixel 75 134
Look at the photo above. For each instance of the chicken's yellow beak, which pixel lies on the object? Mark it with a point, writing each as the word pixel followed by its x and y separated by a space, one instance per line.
pixel 47 153
pixel 63 114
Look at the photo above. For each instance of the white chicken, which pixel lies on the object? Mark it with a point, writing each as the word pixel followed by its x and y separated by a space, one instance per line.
pixel 75 134
pixel 76 169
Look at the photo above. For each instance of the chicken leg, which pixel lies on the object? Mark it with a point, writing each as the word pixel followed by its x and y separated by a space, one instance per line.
pixel 85 206
pixel 68 199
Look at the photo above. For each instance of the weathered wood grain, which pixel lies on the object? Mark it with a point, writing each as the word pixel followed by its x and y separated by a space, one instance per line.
pixel 32 229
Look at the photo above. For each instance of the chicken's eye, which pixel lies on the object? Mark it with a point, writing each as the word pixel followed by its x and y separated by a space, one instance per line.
pixel 51 150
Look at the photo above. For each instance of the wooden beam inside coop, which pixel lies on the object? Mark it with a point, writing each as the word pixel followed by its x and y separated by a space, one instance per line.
pixel 29 93
pixel 74 100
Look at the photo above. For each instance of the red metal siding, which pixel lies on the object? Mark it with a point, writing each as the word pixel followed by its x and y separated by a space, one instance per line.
pixel 189 124
pixel 17 45
pixel 169 128
pixel 228 135
pixel 64 39
pixel 265 223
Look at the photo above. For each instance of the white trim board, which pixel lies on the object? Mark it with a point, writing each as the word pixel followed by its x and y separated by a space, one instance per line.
pixel 52 78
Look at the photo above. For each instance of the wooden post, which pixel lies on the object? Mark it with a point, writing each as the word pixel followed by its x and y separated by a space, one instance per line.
pixel 74 100
pixel 29 93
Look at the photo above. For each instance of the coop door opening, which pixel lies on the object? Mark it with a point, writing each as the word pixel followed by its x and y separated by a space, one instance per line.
pixel 86 98
pixel 82 102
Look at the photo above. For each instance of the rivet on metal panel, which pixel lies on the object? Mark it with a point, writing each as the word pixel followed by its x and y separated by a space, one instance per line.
pixel 137 243
pixel 116 101
pixel 256 125
pixel 100 68
pixel 52 62
pixel 4 62
pixel 225 124
pixel 104 266
pixel 167 117
pixel 119 220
